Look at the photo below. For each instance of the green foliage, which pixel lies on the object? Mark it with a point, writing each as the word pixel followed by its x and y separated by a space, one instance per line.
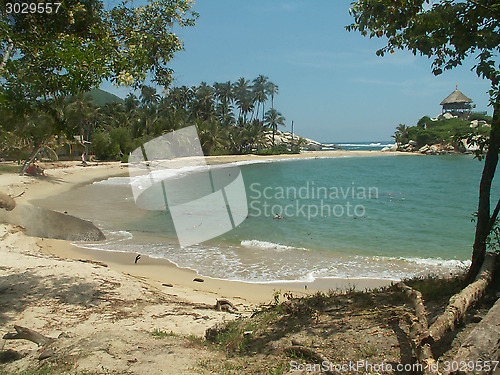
pixel 481 117
pixel 118 127
pixel 276 150
pixel 48 57
pixel 101 144
pixel 424 122
pixel 159 334
pixel 440 131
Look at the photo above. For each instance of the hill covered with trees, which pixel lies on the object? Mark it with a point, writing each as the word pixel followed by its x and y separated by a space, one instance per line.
pixel 446 133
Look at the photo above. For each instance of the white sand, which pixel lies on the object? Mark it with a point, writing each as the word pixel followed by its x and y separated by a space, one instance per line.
pixel 107 313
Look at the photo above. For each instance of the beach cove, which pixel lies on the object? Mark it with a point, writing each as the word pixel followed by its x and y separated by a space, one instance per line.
pixel 55 287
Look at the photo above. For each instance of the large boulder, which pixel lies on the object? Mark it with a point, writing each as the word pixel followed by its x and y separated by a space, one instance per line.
pixel 40 222
pixel 6 202
pixel 424 149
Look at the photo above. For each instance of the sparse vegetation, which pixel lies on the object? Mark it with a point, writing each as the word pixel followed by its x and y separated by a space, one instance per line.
pixel 348 326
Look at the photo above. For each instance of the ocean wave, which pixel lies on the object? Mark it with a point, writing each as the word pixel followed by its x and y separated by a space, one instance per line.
pixel 451 263
pixel 279 263
pixel 265 245
pixel 269 245
pixel 112 238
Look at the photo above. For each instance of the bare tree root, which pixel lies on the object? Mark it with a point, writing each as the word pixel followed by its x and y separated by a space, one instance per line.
pixel 422 336
pixel 461 302
pixel 23 333
pixel 418 325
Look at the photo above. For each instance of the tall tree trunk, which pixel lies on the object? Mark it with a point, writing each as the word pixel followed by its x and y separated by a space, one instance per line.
pixel 7 53
pixel 483 211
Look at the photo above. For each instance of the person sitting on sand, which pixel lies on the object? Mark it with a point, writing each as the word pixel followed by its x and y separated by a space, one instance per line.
pixel 277 217
pixel 34 170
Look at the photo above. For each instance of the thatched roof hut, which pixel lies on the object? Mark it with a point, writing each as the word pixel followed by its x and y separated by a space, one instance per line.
pixel 457 104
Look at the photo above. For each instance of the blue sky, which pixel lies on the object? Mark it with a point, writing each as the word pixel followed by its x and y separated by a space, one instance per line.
pixel 331 83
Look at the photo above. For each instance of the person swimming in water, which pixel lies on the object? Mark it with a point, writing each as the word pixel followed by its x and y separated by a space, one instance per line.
pixel 277 216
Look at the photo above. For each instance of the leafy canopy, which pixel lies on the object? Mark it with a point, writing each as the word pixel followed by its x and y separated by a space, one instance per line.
pixel 446 30
pixel 46 55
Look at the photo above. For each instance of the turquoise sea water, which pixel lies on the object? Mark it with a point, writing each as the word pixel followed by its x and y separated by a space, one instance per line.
pixel 384 216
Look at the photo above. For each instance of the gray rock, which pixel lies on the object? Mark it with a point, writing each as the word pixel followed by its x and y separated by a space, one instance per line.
pixel 40 222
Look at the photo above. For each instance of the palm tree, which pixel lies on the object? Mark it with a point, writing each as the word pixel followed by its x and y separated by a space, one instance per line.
pixel 224 93
pixel 211 135
pixel 81 112
pixel 149 96
pixel 273 118
pixel 260 92
pixel 401 133
pixel 203 105
pixel 242 94
pixel 272 90
pixel 131 102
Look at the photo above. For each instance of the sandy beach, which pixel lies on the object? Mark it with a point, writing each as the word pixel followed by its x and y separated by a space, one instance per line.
pixel 105 298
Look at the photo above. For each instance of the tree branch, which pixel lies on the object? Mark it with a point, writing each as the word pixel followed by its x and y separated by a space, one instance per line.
pixel 7 53
pixel 460 302
pixel 23 333
pixel 418 325
pixel 494 216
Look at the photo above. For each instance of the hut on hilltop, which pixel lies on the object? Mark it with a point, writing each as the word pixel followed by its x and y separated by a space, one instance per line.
pixel 458 104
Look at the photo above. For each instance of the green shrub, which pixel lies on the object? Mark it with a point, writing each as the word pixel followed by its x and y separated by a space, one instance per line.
pixel 480 116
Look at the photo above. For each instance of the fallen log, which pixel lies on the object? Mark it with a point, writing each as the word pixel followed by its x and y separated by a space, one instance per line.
pixel 96 262
pixel 481 347
pixel 418 325
pixel 461 302
pixel 23 333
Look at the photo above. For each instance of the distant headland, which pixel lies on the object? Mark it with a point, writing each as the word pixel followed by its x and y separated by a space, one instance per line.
pixel 458 129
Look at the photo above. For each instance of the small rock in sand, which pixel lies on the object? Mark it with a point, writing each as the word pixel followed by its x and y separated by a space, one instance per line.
pixel 6 202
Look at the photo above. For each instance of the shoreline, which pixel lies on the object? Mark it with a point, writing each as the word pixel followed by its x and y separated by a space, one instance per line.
pixel 69 175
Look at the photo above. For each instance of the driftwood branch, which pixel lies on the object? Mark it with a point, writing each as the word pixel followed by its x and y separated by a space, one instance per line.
pixel 494 216
pixel 225 305
pixel 461 302
pixel 23 333
pixel 96 262
pixel 418 325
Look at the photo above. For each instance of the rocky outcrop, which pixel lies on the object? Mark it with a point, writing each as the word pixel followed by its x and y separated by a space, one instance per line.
pixel 393 148
pixel 40 222
pixel 437 149
pixel 290 139
pixel 434 149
